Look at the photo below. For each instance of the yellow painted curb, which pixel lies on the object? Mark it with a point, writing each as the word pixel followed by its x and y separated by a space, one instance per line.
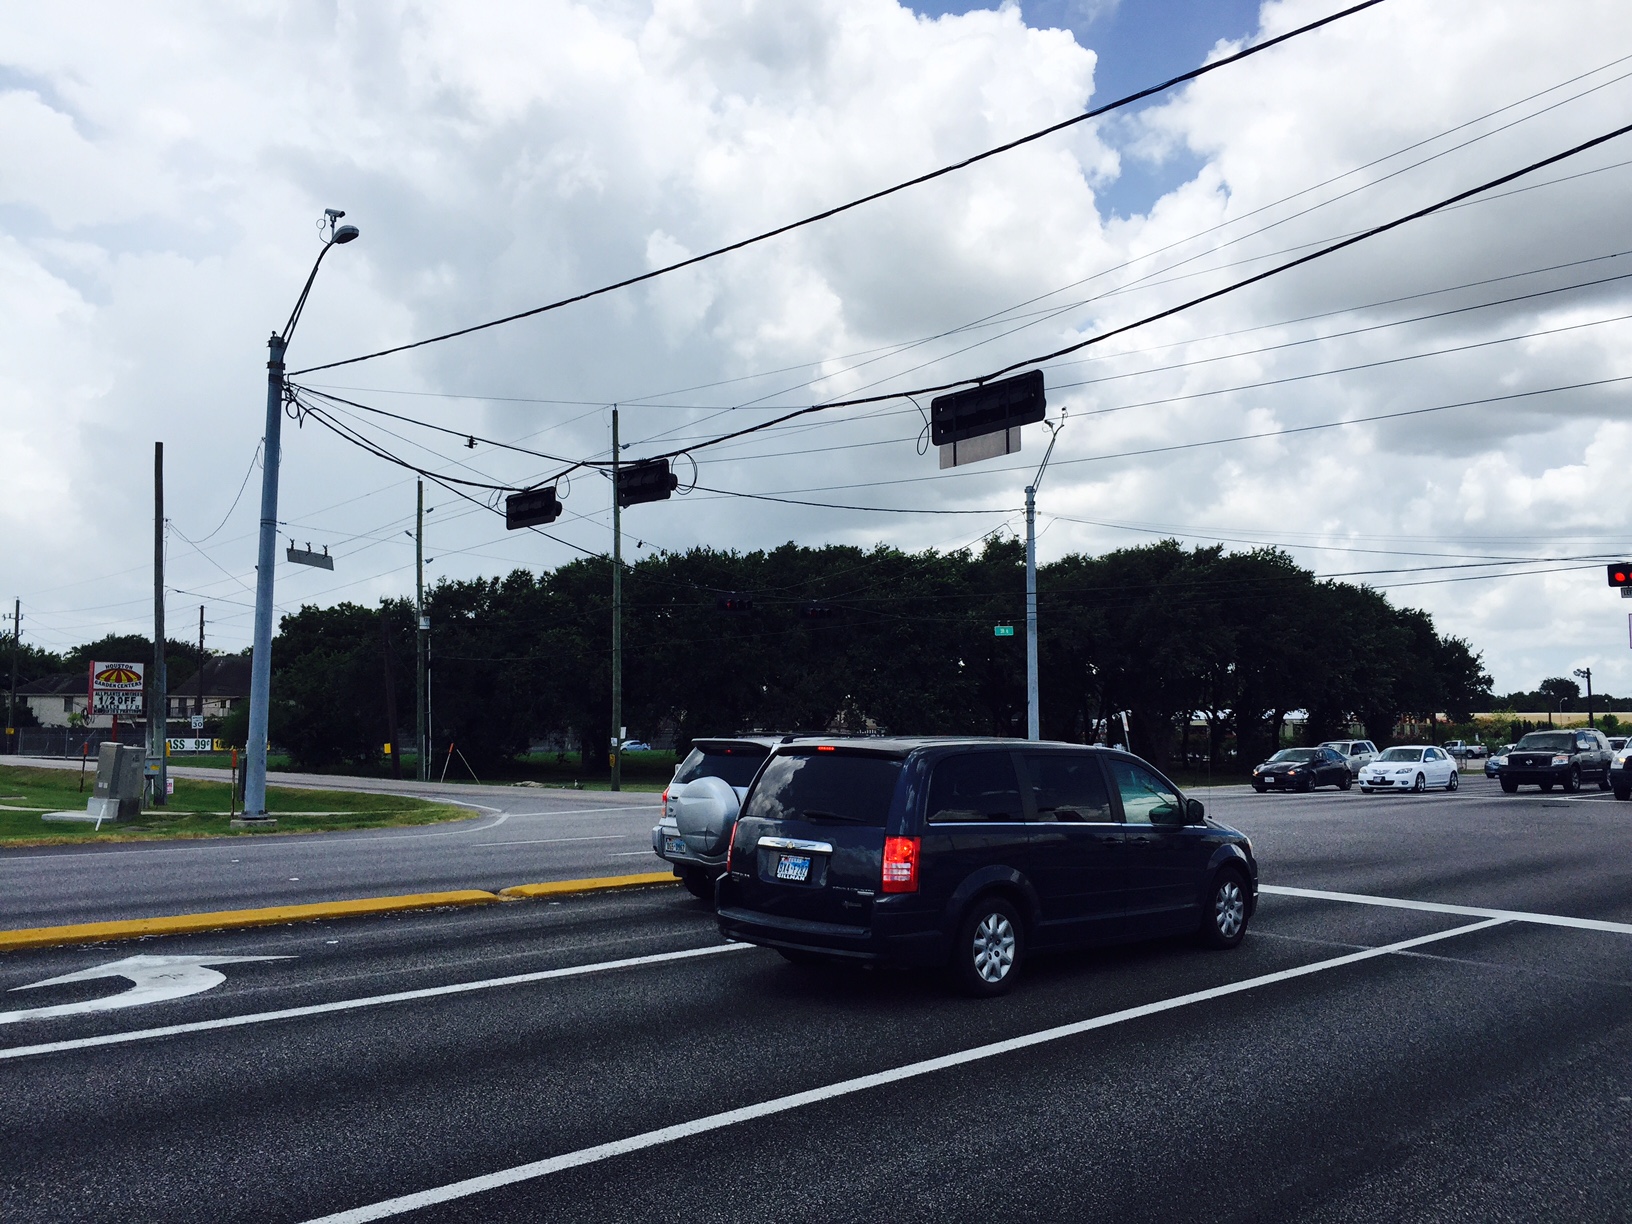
pixel 598 884
pixel 182 924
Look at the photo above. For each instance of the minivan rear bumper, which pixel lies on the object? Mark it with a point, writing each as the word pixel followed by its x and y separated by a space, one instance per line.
pixel 896 937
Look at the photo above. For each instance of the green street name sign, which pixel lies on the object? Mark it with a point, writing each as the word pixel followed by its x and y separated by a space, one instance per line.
pixel 1002 630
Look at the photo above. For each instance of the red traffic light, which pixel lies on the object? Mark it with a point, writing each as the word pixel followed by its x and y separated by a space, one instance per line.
pixel 1620 574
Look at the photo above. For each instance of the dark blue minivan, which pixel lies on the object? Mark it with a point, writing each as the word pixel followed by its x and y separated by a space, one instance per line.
pixel 972 854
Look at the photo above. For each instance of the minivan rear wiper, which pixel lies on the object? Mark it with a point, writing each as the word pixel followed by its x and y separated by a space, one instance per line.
pixel 818 814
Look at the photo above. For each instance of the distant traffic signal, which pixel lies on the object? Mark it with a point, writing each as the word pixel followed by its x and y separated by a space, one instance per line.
pixel 646 481
pixel 816 611
pixel 735 601
pixel 531 509
pixel 1620 574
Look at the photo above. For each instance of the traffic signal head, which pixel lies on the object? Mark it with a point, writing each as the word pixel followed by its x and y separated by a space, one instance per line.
pixel 645 481
pixel 1620 574
pixel 816 611
pixel 531 508
pixel 735 601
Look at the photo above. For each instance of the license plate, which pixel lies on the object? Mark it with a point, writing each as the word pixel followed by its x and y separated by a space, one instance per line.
pixel 1269 777
pixel 674 845
pixel 793 867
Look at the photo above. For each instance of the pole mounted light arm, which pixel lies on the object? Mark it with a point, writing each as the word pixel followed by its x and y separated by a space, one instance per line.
pixel 1053 437
pixel 338 236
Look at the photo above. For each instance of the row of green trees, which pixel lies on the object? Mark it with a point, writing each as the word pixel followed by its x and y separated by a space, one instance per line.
pixel 879 639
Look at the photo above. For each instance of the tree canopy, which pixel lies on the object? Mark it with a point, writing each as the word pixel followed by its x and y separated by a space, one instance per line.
pixel 839 637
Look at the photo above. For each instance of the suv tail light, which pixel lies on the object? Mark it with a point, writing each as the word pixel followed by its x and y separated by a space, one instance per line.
pixel 900 864
pixel 730 845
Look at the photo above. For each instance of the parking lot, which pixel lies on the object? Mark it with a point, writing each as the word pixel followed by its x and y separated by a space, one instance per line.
pixel 1428 1021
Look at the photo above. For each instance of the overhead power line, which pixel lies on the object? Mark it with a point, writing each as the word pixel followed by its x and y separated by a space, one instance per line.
pixel 824 215
pixel 1099 338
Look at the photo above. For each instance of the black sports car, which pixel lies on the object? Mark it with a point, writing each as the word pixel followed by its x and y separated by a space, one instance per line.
pixel 1302 769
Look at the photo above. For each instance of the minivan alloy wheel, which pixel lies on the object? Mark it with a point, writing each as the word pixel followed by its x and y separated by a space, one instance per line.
pixel 1224 922
pixel 994 947
pixel 1229 908
pixel 989 947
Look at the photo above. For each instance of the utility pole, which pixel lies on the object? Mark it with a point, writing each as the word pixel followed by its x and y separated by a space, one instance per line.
pixel 260 666
pixel 391 745
pixel 422 746
pixel 260 657
pixel 158 727
pixel 617 615
pixel 1033 719
pixel 1033 713
pixel 1586 674
pixel 14 743
pixel 198 705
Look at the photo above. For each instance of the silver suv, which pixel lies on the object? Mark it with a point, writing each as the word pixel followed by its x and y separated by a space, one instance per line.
pixel 1358 753
pixel 700 806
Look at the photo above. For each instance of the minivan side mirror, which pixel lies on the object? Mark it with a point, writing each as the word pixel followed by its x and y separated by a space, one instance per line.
pixel 1194 811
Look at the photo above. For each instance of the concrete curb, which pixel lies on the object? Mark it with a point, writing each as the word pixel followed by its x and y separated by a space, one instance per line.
pixel 184 924
pixel 558 888
pixel 228 920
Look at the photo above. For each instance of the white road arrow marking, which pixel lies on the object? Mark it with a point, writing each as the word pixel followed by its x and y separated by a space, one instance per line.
pixel 155 979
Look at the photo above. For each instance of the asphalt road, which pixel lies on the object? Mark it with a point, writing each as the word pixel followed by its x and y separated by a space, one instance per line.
pixel 516 835
pixel 578 1060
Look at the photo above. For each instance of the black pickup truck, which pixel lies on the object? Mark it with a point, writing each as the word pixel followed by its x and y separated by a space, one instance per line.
pixel 1564 758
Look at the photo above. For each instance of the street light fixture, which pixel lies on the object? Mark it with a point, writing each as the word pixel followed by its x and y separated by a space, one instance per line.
pixel 260 674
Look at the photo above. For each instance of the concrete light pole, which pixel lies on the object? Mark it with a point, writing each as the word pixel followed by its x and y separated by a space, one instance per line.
pixel 1033 714
pixel 260 673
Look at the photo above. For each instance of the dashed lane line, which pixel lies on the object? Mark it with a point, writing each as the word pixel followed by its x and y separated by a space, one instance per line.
pixel 344 1005
pixel 1438 907
pixel 422 1199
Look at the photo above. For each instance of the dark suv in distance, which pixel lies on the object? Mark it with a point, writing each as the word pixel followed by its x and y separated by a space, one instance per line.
pixel 1557 758
pixel 972 854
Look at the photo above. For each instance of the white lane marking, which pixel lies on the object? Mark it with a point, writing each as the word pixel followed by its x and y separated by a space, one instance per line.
pixel 1436 907
pixel 549 841
pixel 632 854
pixel 669 1134
pixel 342 1005
pixel 154 979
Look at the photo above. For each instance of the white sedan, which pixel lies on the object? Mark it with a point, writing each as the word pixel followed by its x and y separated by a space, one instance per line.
pixel 1410 768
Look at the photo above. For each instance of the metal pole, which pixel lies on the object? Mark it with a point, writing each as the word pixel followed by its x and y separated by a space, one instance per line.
pixel 391 744
pixel 202 660
pixel 260 668
pixel 1033 711
pixel 617 616
pixel 158 714
pixel 1033 730
pixel 421 747
pixel 16 743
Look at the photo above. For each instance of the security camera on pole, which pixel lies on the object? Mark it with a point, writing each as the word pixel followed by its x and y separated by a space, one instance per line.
pixel 260 674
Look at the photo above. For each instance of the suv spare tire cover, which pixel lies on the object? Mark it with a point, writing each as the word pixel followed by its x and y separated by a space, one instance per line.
pixel 704 809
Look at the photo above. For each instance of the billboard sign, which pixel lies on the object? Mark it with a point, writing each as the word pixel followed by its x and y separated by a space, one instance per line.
pixel 116 688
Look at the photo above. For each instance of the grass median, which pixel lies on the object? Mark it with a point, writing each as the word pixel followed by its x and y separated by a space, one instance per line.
pixel 197 809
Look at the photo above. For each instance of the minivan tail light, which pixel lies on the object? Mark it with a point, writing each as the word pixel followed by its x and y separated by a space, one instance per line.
pixel 900 864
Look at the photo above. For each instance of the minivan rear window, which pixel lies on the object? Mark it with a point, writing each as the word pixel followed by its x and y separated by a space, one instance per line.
pixel 736 765
pixel 835 787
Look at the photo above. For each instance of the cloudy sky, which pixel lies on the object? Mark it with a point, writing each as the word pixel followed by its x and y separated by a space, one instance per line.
pixel 162 171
